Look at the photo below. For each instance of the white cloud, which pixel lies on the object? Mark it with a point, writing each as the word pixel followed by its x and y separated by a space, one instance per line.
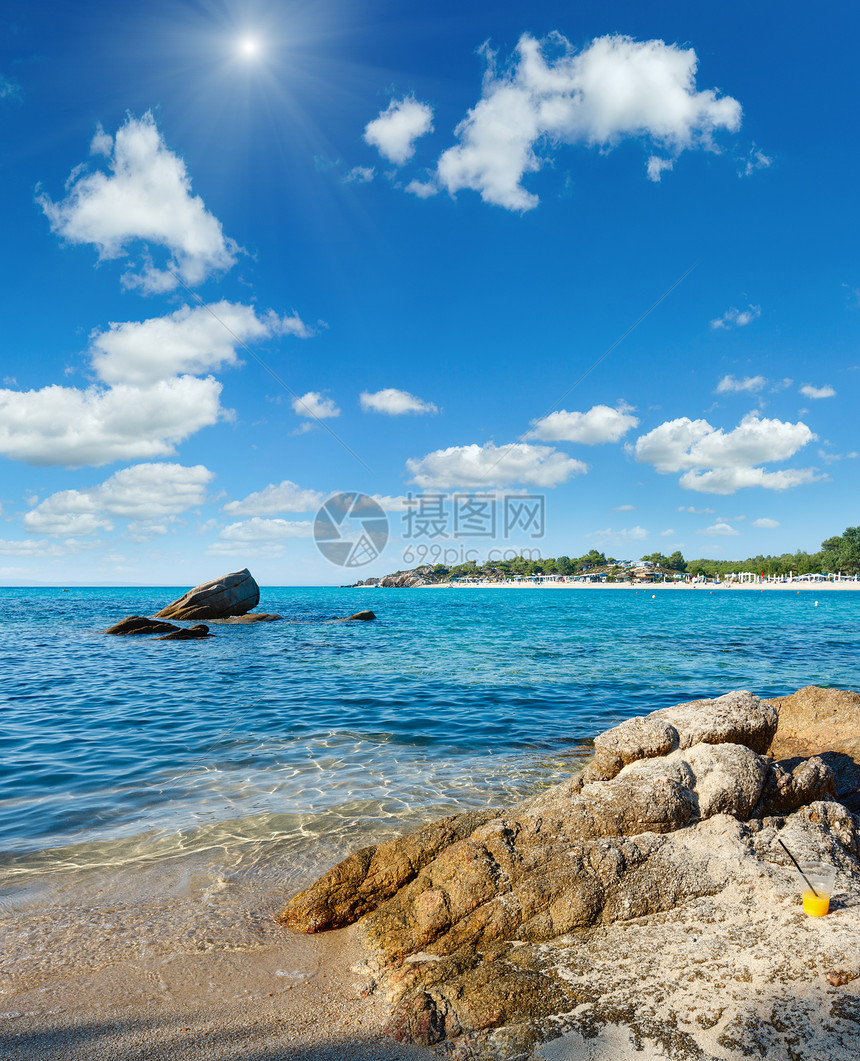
pixel 718 462
pixel 360 175
pixel 190 340
pixel 266 530
pixel 831 458
pixel 599 424
pixel 395 402
pixel 423 189
pixel 756 160
pixel 314 405
pixel 493 465
pixel 9 89
pixel 397 128
pixel 737 318
pixel 391 504
pixel 658 166
pixel 730 385
pixel 65 525
pixel 146 197
pixel 608 536
pixel 143 492
pixel 697 511
pixel 728 480
pixel 625 508
pixel 274 498
pixel 616 88
pixel 765 522
pixel 817 392
pixel 71 427
pixel 719 530
pixel 40 549
pixel 669 533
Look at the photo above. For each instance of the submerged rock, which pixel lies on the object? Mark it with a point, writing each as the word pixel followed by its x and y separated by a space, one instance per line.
pixel 192 633
pixel 135 625
pixel 251 617
pixel 233 594
pixel 606 902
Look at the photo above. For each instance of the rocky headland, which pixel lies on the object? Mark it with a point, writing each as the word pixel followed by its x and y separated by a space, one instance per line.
pixel 643 908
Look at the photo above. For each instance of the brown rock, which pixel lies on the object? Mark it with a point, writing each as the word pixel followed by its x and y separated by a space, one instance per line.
pixel 823 722
pixel 736 718
pixel 136 625
pixel 362 617
pixel 233 594
pixel 251 617
pixel 787 789
pixel 369 876
pixel 518 907
pixel 192 633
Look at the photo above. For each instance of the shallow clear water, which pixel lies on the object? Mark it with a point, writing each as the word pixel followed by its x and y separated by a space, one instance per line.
pixel 285 744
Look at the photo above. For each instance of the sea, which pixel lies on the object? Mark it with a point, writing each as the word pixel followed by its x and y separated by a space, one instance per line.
pixel 145 781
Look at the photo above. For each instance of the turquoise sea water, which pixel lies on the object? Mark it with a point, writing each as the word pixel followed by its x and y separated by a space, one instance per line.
pixel 287 744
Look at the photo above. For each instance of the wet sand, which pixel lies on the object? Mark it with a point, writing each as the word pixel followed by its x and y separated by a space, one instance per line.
pixel 299 997
pixel 181 964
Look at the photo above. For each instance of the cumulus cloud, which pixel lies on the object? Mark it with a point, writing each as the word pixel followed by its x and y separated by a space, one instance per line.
pixel 718 462
pixel 144 198
pixel 395 402
pixel 493 465
pixel 359 175
pixel 40 549
pixel 393 504
pixel 394 132
pixel 285 496
pixel 608 536
pixel 423 189
pixel 730 385
pixel 657 167
pixel 266 530
pixel 614 89
pixel 314 405
pixel 737 318
pixel 817 392
pixel 719 530
pixel 143 492
pixel 765 522
pixel 599 424
pixel 190 340
pixel 71 427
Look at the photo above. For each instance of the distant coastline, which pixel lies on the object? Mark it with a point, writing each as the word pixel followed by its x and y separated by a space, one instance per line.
pixel 671 587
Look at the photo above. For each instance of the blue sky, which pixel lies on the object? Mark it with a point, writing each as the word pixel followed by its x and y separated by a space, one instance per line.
pixel 260 254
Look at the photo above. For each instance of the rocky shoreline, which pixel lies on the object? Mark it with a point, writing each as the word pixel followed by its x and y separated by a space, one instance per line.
pixel 642 907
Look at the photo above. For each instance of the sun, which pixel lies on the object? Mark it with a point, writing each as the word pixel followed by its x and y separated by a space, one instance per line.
pixel 249 48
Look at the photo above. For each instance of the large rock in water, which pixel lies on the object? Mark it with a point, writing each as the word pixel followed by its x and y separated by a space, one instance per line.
pixel 136 625
pixel 233 594
pixel 648 913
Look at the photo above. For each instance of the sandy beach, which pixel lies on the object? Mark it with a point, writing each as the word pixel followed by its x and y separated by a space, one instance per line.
pixel 286 996
pixel 661 587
